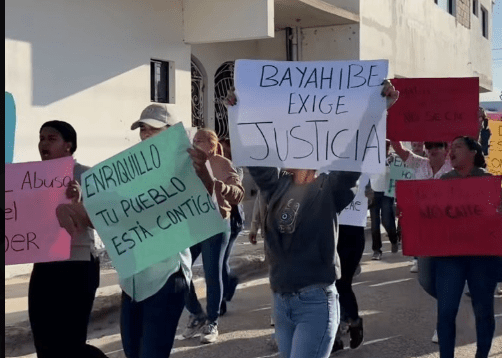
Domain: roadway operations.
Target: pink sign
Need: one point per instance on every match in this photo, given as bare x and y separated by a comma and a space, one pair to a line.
32, 193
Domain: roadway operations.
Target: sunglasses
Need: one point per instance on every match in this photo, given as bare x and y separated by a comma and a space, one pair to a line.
429, 146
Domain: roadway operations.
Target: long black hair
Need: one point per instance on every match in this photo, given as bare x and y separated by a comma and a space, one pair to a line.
473, 145
66, 130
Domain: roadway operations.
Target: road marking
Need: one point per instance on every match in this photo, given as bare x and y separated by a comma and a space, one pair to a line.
391, 282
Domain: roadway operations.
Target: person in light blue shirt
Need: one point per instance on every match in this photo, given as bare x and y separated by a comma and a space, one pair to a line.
153, 299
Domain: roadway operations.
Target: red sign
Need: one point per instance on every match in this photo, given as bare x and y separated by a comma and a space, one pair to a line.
451, 217
434, 109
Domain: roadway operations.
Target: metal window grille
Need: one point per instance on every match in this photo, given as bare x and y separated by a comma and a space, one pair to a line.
223, 81
197, 96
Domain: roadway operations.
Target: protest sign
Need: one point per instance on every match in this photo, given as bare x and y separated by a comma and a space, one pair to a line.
10, 127
450, 217
32, 193
494, 158
398, 171
356, 213
148, 204
309, 115
434, 109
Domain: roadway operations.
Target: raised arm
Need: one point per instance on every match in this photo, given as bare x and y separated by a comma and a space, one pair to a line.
402, 152
343, 187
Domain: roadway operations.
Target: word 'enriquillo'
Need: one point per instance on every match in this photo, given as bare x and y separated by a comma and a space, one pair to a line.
122, 171
193, 206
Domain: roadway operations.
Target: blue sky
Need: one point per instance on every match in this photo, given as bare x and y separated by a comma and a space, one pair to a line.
496, 54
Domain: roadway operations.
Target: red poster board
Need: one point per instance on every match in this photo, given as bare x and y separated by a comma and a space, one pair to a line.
450, 217
434, 109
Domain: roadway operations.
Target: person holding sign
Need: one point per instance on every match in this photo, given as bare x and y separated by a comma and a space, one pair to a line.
229, 191
153, 299
61, 294
452, 272
301, 234
484, 131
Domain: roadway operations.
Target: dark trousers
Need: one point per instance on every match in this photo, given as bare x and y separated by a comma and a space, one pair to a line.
60, 298
451, 275
227, 274
350, 250
213, 251
148, 327
383, 206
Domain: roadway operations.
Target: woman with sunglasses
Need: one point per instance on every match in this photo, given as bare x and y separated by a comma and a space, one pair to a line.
454, 271
61, 294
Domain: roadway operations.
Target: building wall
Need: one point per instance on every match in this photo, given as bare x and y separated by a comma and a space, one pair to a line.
330, 43
88, 63
421, 39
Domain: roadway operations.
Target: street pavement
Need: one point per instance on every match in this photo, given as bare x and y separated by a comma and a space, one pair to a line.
399, 317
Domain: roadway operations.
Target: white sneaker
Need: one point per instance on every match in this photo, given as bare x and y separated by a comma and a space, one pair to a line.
209, 333
193, 326
435, 338
414, 267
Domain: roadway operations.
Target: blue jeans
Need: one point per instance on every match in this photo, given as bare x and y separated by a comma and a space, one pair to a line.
227, 272
213, 252
451, 275
306, 322
382, 206
148, 327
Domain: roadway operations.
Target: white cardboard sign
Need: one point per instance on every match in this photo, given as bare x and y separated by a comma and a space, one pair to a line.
309, 115
356, 213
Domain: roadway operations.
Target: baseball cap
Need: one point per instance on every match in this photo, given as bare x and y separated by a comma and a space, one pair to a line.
155, 115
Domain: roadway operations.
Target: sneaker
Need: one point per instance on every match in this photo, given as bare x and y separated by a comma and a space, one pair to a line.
356, 333
498, 292
337, 346
395, 248
209, 333
435, 338
376, 255
414, 267
194, 325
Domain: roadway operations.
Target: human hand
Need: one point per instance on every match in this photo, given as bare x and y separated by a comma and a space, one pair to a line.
73, 218
199, 158
218, 186
252, 238
74, 192
230, 99
390, 92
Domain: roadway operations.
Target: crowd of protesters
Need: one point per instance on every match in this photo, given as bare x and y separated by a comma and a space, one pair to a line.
312, 257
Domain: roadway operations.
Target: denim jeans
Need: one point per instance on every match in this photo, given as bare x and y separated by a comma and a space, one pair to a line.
382, 206
227, 272
213, 252
350, 249
306, 322
451, 275
148, 327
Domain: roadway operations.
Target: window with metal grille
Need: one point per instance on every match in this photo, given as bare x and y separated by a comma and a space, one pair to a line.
223, 81
197, 96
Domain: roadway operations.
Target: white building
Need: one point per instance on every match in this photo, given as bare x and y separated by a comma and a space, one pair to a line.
89, 62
